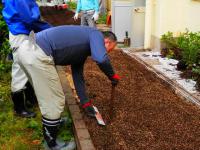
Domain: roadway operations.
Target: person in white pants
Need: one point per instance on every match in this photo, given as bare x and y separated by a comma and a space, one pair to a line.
21, 17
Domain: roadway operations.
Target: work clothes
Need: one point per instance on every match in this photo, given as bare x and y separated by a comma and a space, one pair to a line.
19, 78
63, 45
71, 45
86, 18
42, 74
83, 5
21, 17
88, 8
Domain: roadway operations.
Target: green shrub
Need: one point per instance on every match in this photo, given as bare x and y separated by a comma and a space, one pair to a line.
102, 18
185, 47
189, 43
5, 65
170, 49
72, 5
169, 40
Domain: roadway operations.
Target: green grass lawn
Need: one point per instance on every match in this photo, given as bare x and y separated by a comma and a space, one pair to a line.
20, 133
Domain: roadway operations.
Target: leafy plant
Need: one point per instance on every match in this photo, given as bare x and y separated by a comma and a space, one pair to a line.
102, 18
72, 5
170, 49
185, 48
169, 40
196, 70
190, 44
5, 65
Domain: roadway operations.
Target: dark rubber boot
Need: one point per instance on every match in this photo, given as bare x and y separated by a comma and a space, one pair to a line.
30, 98
50, 130
19, 106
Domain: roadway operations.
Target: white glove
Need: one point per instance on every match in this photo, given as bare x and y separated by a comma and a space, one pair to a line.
95, 16
75, 16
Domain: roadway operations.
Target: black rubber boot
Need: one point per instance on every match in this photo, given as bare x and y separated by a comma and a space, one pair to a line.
19, 106
50, 130
30, 98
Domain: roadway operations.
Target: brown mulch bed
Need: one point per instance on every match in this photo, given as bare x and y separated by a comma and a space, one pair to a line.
58, 17
147, 113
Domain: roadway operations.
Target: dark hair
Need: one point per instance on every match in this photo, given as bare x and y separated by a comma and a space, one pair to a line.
110, 35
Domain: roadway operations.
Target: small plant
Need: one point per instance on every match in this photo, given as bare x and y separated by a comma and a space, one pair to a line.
186, 49
72, 5
196, 70
102, 18
190, 44
169, 40
170, 49
5, 65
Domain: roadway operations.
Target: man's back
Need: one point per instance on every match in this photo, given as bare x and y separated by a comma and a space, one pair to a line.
72, 44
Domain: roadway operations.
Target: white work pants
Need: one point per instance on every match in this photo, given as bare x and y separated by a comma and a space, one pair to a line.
19, 78
41, 72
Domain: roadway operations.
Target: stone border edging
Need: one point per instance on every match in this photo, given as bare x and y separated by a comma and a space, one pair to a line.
182, 93
82, 136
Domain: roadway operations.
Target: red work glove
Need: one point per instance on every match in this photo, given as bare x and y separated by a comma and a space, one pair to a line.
115, 79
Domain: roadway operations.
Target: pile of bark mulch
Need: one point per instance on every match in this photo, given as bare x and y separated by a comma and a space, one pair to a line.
147, 113
58, 17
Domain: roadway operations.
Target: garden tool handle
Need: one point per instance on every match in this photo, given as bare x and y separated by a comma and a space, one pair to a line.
112, 93
111, 102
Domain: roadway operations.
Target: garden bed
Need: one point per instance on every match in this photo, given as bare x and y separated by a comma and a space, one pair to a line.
147, 113
58, 17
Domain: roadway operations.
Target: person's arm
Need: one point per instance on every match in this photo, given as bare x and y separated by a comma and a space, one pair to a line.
28, 11
30, 14
79, 83
78, 8
96, 4
99, 54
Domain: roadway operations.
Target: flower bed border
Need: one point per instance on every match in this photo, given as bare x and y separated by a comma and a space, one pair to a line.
180, 91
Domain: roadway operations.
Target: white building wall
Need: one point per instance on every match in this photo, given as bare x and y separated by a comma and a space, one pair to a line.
170, 15
192, 21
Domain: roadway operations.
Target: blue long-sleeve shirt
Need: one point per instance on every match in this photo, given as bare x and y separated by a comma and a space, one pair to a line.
87, 5
71, 45
22, 16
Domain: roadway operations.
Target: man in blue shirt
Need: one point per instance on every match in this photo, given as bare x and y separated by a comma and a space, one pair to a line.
63, 45
89, 10
21, 16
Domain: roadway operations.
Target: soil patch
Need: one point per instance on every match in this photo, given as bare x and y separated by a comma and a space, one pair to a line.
147, 113
58, 17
